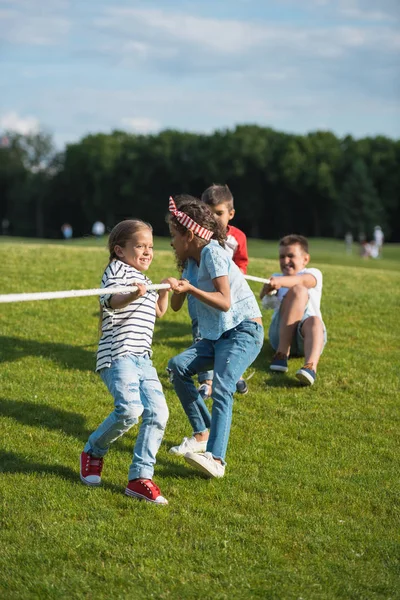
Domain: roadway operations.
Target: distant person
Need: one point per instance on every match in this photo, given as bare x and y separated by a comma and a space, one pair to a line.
379, 239
5, 226
297, 327
373, 249
348, 239
98, 228
124, 362
365, 249
67, 231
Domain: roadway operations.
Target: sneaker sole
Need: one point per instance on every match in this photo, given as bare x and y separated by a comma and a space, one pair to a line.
242, 393
90, 483
202, 468
279, 369
305, 378
186, 451
129, 492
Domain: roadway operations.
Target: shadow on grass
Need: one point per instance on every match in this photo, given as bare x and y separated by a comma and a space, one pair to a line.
43, 415
177, 468
71, 357
73, 424
281, 380
13, 463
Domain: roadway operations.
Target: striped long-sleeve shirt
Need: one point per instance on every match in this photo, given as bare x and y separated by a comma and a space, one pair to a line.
126, 330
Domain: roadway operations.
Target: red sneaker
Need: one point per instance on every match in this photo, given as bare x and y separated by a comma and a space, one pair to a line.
145, 489
91, 468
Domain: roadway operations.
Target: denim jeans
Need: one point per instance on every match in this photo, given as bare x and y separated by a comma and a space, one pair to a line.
231, 355
133, 382
204, 375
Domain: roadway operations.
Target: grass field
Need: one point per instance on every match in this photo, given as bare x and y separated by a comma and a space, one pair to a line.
309, 507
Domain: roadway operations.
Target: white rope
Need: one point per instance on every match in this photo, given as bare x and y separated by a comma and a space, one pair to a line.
95, 292
77, 293
260, 279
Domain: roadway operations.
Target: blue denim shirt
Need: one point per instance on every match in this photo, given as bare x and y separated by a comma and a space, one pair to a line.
216, 262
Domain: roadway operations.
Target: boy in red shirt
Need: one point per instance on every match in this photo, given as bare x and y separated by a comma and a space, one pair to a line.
220, 200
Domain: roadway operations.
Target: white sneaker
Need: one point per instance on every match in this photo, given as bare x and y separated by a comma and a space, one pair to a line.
206, 463
205, 391
188, 445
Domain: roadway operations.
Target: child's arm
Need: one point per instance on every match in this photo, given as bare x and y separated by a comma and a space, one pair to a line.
122, 300
177, 301
220, 299
177, 298
162, 302
288, 281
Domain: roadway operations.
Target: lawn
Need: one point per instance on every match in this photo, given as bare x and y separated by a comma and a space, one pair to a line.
309, 506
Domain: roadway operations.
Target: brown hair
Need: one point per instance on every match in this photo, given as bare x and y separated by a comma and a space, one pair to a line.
120, 236
123, 232
201, 214
293, 238
218, 194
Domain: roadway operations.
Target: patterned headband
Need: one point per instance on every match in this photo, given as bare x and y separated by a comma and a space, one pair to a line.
187, 222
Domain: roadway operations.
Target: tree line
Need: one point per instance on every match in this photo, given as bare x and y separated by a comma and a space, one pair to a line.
317, 184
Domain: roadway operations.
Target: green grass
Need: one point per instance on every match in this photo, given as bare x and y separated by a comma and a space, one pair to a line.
309, 506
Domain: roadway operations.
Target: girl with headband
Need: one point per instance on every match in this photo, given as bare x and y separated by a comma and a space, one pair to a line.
230, 327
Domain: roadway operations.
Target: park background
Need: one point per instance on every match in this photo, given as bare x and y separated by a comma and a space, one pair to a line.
316, 184
106, 110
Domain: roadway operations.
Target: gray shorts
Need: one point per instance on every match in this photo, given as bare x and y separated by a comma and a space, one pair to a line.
297, 345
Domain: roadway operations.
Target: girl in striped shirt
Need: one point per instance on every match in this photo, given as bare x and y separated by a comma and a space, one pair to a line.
124, 362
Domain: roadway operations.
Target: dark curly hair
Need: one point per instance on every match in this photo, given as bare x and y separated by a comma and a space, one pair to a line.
201, 214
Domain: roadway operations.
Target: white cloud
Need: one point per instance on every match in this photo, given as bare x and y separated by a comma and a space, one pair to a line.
186, 43
33, 23
370, 10
13, 122
141, 124
362, 10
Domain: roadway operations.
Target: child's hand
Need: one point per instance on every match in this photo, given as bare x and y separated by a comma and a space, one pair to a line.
269, 288
173, 282
142, 289
274, 284
182, 286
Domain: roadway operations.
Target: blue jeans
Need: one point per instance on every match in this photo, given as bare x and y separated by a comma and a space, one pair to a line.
231, 355
204, 375
133, 382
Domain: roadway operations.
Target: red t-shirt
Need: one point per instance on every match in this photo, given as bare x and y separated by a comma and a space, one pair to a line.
236, 245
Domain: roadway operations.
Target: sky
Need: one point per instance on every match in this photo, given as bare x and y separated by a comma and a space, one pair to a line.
89, 66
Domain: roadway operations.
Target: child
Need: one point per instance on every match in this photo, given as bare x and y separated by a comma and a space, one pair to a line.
230, 328
189, 271
296, 327
124, 363
219, 198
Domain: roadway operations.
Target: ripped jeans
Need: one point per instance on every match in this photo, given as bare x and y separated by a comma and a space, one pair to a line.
133, 382
231, 354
